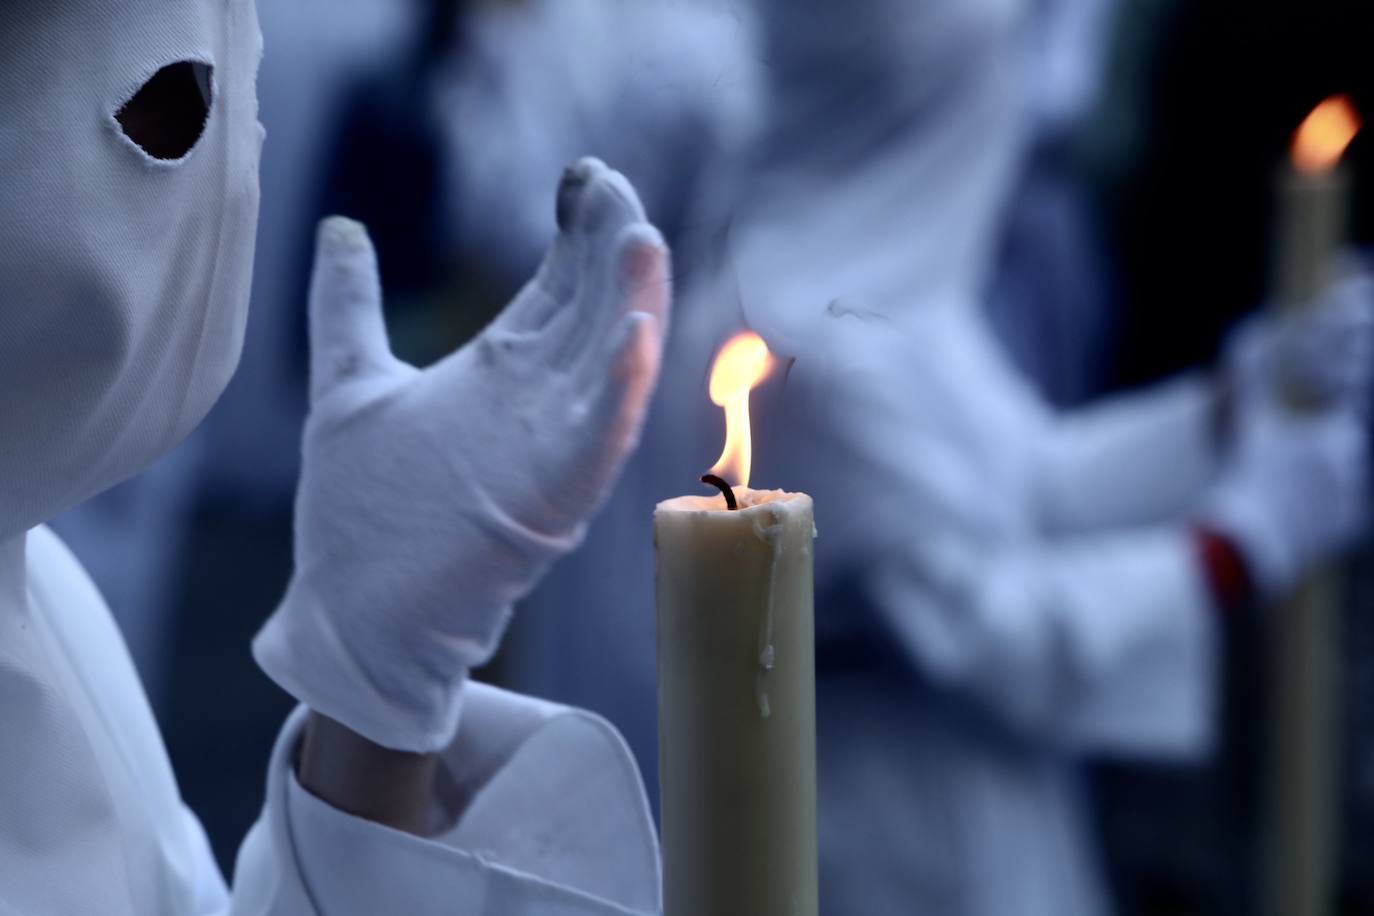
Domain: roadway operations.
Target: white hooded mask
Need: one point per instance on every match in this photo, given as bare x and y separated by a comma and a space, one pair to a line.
123, 277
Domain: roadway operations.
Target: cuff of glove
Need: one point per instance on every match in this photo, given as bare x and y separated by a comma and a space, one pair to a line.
1227, 574
304, 654
1262, 547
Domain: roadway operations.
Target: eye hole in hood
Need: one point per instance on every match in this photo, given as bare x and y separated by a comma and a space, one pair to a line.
168, 114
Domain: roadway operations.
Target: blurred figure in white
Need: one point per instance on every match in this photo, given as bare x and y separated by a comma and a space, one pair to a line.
1021, 586
1050, 295
660, 90
1002, 587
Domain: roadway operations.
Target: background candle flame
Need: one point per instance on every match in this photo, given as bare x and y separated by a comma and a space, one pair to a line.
741, 365
1323, 136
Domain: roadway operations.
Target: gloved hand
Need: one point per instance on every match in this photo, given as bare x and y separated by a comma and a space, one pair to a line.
1293, 489
431, 500
1320, 354
1293, 492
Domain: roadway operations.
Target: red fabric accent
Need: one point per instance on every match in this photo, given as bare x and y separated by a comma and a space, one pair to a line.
1225, 567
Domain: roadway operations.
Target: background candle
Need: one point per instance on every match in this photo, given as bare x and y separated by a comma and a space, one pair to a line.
737, 708
1307, 628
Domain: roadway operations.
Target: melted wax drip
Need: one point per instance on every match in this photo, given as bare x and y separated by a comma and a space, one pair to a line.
771, 535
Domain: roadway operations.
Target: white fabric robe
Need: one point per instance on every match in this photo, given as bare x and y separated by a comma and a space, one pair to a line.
551, 817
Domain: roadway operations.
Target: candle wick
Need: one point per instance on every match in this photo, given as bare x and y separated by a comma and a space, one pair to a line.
724, 487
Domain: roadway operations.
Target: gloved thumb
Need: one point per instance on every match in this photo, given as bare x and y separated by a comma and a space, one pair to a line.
347, 333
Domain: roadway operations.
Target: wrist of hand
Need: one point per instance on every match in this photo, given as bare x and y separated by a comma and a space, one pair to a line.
364, 779
400, 687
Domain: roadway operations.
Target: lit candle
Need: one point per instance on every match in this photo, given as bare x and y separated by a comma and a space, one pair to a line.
737, 680
1314, 195
1313, 192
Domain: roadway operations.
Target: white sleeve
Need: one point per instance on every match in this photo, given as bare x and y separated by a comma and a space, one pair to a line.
553, 822
924, 475
1103, 644
1132, 460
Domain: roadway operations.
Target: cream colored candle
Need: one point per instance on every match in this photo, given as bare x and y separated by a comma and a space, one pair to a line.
737, 682
737, 705
1303, 819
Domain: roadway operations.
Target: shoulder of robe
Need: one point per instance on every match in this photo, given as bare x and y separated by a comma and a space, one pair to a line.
56, 570
165, 854
64, 593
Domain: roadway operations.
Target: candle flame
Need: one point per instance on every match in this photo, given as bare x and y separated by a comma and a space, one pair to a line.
741, 365
1323, 136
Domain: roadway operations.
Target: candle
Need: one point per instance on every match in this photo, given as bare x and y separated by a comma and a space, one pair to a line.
737, 682
1303, 818
1314, 191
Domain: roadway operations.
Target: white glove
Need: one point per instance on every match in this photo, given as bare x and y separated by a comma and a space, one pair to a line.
1294, 488
1293, 493
431, 500
1320, 354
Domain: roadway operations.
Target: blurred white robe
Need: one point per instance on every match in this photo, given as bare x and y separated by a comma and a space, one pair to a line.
1002, 588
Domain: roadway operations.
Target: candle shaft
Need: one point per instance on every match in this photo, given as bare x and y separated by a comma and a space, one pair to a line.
1312, 228
1306, 635
737, 709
